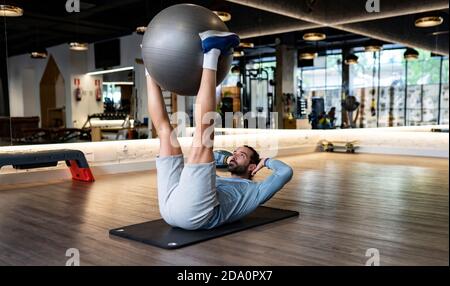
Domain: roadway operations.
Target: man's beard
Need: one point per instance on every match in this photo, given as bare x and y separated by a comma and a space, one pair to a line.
236, 169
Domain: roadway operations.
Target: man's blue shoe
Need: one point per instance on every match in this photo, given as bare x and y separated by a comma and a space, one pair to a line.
223, 41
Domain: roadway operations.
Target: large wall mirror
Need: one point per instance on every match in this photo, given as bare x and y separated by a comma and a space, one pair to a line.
78, 76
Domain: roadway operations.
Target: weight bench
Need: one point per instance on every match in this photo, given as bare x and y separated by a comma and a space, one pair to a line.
75, 160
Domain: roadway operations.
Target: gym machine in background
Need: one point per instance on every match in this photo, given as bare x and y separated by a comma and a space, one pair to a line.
258, 92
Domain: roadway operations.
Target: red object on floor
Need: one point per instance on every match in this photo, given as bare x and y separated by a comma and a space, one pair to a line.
80, 174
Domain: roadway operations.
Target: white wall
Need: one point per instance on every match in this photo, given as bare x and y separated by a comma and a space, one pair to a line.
88, 104
25, 74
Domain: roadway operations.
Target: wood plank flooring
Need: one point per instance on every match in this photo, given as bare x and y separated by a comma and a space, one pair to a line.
347, 204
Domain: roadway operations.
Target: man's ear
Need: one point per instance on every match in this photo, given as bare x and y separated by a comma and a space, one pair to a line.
251, 167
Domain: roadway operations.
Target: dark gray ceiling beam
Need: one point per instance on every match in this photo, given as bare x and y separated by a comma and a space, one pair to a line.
61, 30
326, 13
401, 34
74, 21
337, 12
286, 25
50, 20
109, 5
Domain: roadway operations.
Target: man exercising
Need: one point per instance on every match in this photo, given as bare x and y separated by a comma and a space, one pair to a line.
191, 196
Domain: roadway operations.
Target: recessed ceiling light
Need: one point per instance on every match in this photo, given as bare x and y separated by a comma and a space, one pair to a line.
10, 11
307, 55
411, 54
75, 46
224, 16
314, 36
429, 21
351, 59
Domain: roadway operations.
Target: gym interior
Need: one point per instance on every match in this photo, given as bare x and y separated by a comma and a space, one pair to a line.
352, 95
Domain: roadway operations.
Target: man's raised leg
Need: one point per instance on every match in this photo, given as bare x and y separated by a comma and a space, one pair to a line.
213, 43
169, 144
202, 148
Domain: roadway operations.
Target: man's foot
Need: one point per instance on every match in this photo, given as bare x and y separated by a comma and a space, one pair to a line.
223, 41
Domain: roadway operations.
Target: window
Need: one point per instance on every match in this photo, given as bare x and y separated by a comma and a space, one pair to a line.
379, 80
323, 80
391, 93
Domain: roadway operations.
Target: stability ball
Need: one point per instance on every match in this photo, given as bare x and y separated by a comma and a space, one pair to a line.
172, 49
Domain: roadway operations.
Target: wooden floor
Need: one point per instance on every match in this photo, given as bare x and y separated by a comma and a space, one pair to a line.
347, 204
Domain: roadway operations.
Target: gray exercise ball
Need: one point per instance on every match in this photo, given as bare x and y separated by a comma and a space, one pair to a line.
172, 51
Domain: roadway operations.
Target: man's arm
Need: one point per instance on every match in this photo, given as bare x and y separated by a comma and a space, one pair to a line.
282, 173
221, 158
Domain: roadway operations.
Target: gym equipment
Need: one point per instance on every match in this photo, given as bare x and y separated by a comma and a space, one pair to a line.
302, 103
331, 146
444, 130
362, 106
159, 233
108, 116
226, 153
257, 85
75, 160
53, 135
172, 50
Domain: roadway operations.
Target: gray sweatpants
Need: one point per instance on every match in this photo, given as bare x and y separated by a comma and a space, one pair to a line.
186, 194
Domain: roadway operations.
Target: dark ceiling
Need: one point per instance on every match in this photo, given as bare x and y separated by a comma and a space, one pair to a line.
46, 23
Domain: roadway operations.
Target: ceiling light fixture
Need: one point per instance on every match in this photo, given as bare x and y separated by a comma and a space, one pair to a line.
110, 71
75, 46
307, 55
411, 54
141, 30
237, 54
246, 45
39, 55
224, 16
351, 59
373, 48
10, 11
315, 36
428, 21
118, 83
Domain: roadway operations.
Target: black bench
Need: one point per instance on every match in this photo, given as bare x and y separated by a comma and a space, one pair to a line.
75, 160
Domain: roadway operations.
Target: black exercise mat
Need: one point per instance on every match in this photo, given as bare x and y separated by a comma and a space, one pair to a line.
160, 234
